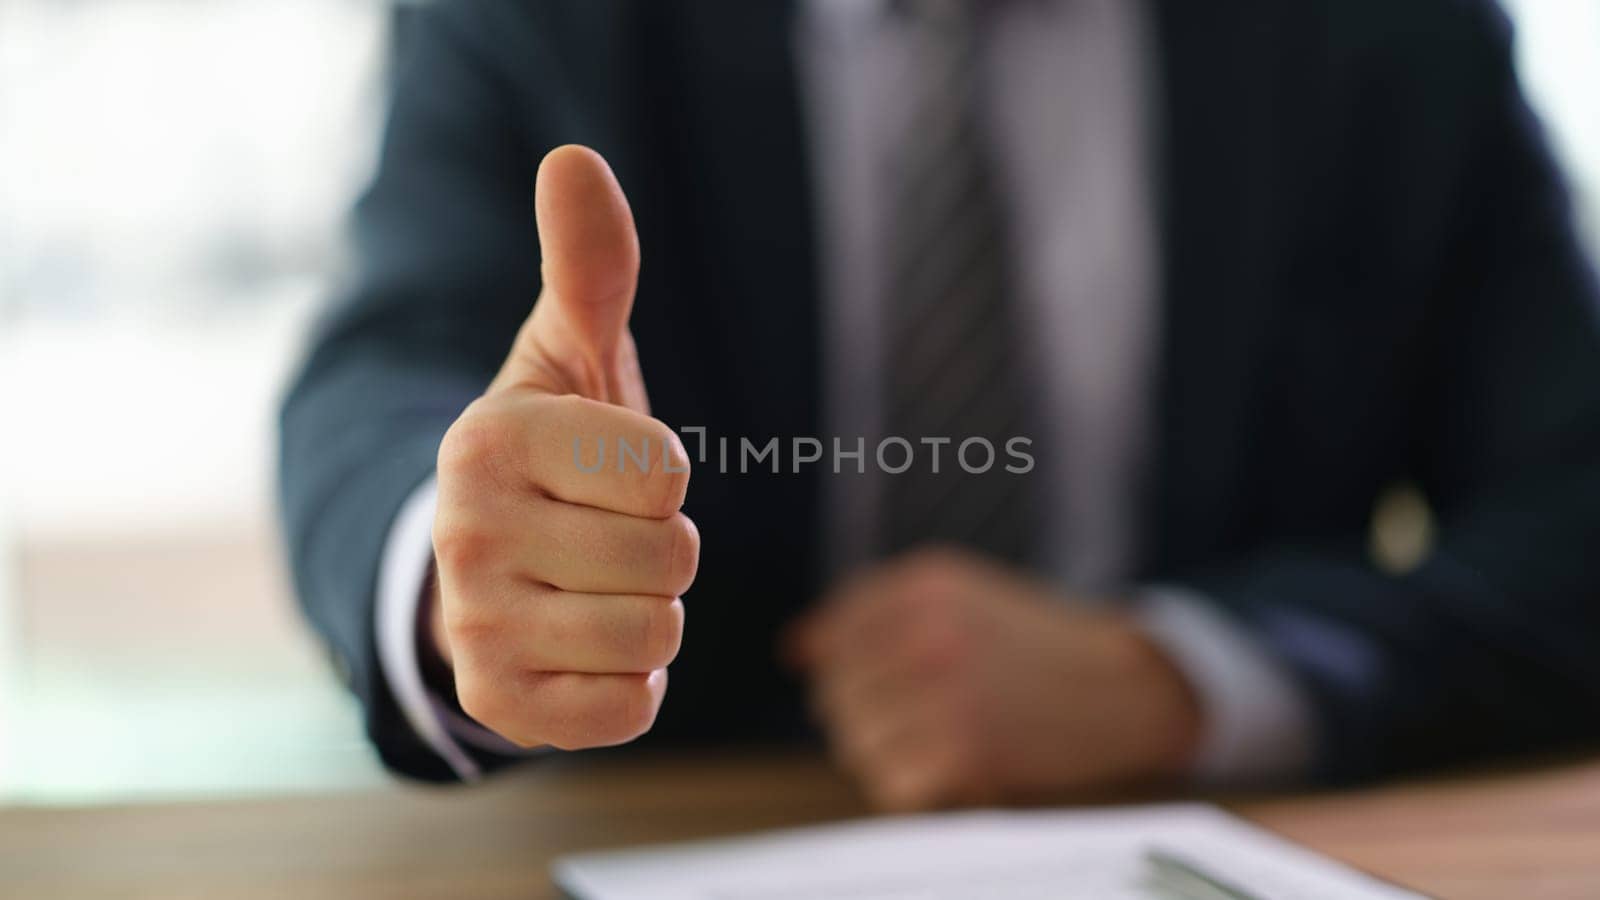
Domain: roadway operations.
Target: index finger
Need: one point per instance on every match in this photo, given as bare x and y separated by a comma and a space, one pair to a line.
595, 454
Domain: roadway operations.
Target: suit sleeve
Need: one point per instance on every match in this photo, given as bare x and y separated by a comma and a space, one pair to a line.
1492, 644
445, 269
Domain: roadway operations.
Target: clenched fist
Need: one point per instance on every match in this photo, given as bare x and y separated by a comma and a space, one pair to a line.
558, 585
942, 678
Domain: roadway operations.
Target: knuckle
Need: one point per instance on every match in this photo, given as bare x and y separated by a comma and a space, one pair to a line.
651, 470
909, 604
634, 709
939, 650
660, 494
474, 443
460, 544
567, 734
471, 629
905, 790
660, 634
931, 573
482, 701
521, 736
623, 711
668, 483
964, 766
967, 748
683, 554
493, 699
942, 622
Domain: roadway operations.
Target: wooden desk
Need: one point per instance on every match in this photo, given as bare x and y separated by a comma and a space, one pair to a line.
1529, 836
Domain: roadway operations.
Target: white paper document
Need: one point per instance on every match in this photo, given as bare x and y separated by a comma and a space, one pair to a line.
1093, 855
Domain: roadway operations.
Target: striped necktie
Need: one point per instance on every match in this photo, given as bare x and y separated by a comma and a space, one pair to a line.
953, 360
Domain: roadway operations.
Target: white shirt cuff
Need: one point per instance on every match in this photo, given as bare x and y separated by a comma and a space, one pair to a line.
402, 577
1258, 721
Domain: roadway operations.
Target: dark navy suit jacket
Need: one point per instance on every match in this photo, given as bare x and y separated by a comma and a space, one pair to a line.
1370, 276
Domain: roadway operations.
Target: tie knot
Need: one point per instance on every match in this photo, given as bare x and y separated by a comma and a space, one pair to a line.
945, 15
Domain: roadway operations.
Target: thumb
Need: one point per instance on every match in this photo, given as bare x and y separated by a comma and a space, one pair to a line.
576, 340
590, 248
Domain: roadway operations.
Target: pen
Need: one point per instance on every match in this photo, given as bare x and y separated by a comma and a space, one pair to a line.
1189, 880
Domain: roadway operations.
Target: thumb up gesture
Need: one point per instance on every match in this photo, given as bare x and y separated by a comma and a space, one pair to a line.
559, 579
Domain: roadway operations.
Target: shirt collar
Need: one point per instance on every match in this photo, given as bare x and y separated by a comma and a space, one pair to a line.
846, 16
851, 16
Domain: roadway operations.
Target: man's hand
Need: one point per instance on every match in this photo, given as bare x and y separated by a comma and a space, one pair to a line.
557, 598
942, 679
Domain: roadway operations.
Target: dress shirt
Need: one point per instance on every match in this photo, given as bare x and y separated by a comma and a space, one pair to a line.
1065, 96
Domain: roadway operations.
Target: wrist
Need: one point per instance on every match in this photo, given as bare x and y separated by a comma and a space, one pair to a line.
1169, 730
432, 646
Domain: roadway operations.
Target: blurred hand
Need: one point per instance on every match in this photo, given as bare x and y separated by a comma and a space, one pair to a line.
557, 593
941, 678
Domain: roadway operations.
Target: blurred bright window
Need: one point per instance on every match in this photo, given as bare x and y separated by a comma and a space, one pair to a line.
173, 175
1558, 57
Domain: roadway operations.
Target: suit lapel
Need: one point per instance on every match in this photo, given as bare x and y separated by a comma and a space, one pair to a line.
1216, 167
740, 202
752, 204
